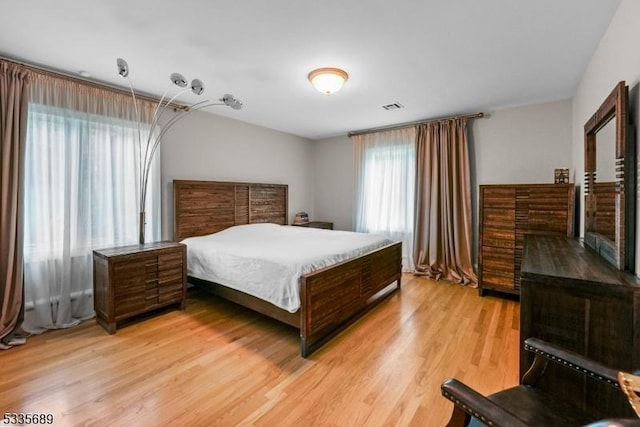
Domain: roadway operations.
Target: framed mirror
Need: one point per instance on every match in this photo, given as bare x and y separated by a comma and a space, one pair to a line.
609, 181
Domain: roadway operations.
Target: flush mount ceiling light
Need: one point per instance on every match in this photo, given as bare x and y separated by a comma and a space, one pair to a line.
328, 80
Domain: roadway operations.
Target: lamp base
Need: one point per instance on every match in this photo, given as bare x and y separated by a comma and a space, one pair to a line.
141, 227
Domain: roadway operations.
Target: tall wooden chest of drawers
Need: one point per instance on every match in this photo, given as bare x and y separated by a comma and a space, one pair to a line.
509, 212
136, 279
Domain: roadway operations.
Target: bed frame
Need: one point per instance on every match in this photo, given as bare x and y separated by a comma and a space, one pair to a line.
331, 298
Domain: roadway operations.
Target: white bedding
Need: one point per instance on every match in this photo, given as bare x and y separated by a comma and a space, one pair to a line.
267, 260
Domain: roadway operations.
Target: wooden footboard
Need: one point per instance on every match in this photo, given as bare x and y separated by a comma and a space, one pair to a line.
335, 296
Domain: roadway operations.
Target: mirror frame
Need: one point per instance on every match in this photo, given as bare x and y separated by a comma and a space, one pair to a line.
621, 252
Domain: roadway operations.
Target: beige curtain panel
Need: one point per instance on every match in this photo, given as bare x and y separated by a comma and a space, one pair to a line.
443, 232
13, 125
45, 89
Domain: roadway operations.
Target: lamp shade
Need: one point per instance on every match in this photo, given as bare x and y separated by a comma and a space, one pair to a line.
328, 80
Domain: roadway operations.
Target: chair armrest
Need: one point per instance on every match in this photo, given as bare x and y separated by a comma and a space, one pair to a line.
617, 422
572, 360
475, 404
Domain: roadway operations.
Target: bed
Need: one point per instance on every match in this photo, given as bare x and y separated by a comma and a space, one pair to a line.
330, 298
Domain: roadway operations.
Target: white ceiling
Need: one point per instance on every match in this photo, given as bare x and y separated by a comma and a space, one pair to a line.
435, 57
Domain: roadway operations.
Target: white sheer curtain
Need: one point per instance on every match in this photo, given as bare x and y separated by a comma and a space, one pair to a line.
81, 193
385, 165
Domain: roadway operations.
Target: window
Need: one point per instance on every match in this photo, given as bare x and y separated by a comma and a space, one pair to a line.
81, 193
385, 168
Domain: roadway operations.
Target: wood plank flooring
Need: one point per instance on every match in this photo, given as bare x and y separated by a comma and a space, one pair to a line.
217, 364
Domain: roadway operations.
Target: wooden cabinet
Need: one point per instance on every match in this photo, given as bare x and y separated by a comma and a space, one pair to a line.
507, 214
572, 297
131, 280
316, 224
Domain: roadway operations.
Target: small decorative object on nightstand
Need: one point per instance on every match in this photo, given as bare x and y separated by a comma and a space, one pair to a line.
301, 218
316, 224
561, 176
135, 279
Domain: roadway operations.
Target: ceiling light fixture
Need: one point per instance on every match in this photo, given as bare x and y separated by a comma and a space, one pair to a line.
328, 80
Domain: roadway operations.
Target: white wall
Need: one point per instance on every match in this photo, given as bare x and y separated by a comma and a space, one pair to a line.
334, 182
515, 145
204, 146
616, 58
522, 145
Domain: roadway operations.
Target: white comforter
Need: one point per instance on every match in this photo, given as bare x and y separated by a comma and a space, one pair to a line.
267, 260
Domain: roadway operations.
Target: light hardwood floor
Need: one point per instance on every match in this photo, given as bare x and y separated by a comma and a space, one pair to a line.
217, 364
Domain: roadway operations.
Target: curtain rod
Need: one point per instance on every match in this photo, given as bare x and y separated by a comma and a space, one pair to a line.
93, 83
411, 124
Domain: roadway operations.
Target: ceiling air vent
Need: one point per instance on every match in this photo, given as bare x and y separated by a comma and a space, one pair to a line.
394, 106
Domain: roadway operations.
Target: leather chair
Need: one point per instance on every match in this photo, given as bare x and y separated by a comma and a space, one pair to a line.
528, 405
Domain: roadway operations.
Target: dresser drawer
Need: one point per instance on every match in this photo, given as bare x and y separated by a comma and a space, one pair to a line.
170, 260
132, 276
499, 238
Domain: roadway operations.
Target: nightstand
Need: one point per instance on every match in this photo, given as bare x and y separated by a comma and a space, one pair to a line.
316, 224
135, 279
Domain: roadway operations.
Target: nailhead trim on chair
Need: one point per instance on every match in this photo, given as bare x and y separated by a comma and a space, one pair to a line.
571, 365
467, 409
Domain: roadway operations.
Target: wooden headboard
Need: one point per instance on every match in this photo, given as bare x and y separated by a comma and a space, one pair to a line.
205, 207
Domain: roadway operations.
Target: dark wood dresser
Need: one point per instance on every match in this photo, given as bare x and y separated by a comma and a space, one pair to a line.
509, 212
572, 297
136, 279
